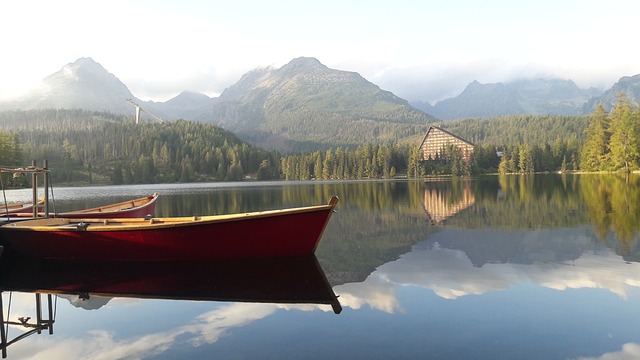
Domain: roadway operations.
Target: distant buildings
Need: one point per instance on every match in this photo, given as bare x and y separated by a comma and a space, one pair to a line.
436, 141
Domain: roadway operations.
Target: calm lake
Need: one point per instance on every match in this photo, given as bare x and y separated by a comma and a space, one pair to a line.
513, 267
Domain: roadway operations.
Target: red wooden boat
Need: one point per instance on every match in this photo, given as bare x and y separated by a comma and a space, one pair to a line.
141, 207
17, 208
272, 233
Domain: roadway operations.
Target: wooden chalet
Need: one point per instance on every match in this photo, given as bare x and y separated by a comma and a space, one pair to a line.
436, 140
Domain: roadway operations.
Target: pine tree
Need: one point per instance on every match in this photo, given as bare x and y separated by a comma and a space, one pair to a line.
595, 152
525, 164
625, 133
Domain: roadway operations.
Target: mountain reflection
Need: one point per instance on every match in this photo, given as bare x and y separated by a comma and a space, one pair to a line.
557, 231
445, 265
383, 221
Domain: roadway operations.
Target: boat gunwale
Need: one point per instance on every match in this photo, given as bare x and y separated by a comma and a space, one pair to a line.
61, 224
117, 207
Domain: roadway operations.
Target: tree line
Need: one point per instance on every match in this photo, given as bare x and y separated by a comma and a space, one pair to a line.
612, 140
121, 152
185, 151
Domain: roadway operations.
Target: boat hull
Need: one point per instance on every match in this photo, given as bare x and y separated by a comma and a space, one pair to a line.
254, 235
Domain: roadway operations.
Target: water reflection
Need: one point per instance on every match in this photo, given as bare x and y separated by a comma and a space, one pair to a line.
613, 203
608, 203
379, 222
139, 334
292, 281
40, 323
276, 280
443, 202
511, 239
514, 267
458, 262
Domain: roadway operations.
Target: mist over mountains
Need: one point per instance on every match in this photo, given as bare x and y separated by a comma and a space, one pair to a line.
306, 102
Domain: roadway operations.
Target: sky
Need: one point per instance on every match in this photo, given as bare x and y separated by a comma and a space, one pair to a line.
421, 50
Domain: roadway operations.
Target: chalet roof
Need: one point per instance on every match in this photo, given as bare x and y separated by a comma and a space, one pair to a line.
446, 132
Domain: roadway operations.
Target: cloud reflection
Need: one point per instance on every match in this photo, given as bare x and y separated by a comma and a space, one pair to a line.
450, 275
376, 291
629, 351
207, 328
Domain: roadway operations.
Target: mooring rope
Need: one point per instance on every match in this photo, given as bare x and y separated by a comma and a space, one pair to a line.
53, 199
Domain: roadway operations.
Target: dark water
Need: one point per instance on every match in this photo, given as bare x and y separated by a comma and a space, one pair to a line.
516, 267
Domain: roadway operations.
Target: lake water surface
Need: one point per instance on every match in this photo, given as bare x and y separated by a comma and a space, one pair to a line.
513, 267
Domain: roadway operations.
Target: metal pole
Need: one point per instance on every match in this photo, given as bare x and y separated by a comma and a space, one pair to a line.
50, 314
3, 334
38, 311
34, 183
46, 189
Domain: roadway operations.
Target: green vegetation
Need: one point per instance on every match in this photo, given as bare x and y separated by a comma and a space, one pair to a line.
92, 147
10, 155
365, 162
101, 149
519, 129
613, 141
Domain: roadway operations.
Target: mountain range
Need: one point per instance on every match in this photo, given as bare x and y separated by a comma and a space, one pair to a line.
534, 97
305, 102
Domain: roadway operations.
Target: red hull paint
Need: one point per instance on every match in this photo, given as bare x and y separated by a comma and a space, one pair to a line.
289, 233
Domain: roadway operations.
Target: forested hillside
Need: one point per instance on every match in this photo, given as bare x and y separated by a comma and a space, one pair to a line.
519, 129
528, 143
91, 147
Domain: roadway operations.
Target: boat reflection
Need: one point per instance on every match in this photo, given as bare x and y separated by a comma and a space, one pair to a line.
290, 280
37, 325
